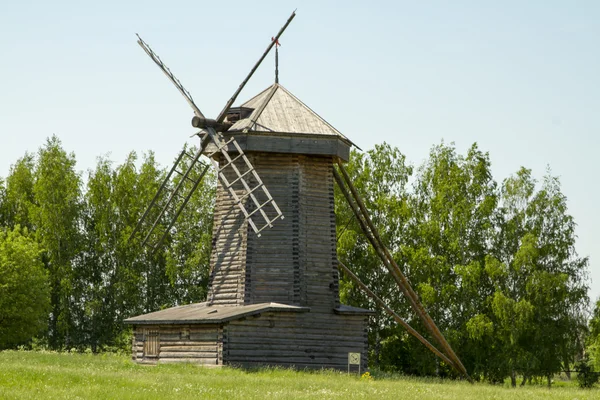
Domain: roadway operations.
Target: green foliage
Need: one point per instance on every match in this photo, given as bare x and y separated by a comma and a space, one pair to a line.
593, 340
495, 265
595, 320
19, 198
3, 205
586, 376
97, 276
118, 277
188, 253
24, 289
55, 215
381, 176
480, 327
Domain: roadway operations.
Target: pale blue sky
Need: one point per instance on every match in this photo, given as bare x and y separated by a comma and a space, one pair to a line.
521, 78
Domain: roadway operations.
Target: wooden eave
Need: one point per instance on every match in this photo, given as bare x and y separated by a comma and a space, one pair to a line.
203, 313
298, 143
349, 310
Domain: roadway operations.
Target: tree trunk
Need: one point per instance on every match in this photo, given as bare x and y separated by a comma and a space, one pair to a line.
513, 378
377, 350
549, 378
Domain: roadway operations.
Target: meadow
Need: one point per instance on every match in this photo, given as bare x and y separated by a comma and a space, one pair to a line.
50, 375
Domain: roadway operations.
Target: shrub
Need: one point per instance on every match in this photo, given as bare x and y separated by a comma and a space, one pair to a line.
24, 289
586, 376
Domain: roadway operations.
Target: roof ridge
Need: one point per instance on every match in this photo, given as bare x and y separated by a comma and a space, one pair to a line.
259, 110
257, 96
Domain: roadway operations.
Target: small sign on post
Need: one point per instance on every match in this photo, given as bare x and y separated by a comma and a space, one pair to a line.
354, 359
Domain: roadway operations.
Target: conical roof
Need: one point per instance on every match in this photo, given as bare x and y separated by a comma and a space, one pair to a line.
276, 110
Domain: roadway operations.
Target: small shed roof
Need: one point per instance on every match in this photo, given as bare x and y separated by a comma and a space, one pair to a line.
278, 110
203, 313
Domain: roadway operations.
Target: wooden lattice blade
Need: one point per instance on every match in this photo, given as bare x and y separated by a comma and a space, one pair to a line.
255, 193
172, 197
184, 92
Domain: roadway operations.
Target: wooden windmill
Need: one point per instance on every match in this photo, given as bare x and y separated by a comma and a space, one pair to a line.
273, 293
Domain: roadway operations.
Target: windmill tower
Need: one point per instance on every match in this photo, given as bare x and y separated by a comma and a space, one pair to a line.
273, 292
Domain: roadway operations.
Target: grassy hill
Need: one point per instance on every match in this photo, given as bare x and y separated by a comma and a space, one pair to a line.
47, 375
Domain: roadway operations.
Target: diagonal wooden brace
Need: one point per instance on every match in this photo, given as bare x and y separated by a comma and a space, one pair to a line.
372, 235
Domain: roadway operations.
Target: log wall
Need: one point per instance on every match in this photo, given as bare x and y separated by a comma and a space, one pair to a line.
295, 340
180, 343
295, 261
317, 232
272, 263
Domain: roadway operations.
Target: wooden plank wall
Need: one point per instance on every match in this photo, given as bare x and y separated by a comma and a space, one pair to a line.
318, 256
295, 340
294, 262
181, 343
272, 261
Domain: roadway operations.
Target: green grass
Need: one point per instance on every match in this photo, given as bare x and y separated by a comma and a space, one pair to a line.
46, 375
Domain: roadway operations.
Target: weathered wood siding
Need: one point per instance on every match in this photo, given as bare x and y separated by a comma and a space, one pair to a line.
272, 262
180, 343
299, 340
318, 256
294, 262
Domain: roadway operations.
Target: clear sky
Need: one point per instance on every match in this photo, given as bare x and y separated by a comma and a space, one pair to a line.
521, 78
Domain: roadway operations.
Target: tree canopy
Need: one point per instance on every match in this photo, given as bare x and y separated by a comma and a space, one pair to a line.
494, 263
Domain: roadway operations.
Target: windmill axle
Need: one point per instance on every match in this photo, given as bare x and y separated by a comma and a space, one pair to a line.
203, 123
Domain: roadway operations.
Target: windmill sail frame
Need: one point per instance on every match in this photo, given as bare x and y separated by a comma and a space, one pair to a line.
208, 126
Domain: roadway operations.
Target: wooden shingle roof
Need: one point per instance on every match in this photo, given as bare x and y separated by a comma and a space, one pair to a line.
278, 110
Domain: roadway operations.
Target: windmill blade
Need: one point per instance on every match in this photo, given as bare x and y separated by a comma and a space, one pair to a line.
258, 196
223, 112
239, 167
157, 195
178, 187
172, 193
169, 74
180, 209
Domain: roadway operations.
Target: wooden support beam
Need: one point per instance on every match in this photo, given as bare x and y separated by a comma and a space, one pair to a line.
396, 317
372, 235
